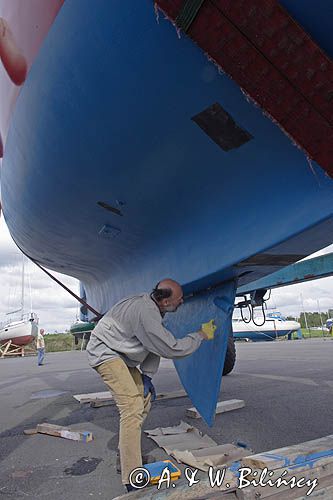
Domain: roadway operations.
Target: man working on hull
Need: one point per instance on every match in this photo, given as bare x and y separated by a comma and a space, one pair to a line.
132, 334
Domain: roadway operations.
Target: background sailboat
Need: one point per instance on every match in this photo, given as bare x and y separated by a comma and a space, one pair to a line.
21, 327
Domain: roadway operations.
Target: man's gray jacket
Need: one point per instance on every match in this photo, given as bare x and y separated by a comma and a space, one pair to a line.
133, 331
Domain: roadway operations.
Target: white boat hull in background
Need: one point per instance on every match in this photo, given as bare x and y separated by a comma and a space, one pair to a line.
270, 330
20, 332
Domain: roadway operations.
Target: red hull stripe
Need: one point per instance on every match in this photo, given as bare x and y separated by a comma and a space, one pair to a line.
21, 341
274, 61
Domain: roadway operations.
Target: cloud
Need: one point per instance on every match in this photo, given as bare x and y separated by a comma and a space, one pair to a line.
55, 307
8, 258
312, 296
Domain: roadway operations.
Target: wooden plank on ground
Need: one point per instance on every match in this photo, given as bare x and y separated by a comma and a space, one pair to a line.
64, 432
108, 400
93, 396
221, 407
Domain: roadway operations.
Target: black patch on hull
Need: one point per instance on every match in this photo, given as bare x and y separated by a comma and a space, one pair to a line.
221, 127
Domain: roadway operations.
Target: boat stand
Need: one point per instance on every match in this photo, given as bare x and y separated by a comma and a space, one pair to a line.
11, 349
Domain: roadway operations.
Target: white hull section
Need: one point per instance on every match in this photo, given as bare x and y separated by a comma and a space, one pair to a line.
270, 325
270, 330
19, 332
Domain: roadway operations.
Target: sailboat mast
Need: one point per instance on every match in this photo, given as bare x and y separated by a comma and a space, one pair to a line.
22, 290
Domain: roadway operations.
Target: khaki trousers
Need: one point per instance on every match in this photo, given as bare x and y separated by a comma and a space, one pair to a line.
126, 387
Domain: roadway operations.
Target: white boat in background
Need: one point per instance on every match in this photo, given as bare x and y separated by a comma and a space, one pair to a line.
263, 329
22, 330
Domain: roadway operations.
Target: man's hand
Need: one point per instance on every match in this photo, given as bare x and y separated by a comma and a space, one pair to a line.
208, 330
148, 387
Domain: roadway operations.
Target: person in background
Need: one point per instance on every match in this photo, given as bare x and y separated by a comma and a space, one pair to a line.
40, 344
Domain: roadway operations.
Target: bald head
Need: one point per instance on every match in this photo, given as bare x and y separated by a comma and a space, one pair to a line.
171, 284
168, 294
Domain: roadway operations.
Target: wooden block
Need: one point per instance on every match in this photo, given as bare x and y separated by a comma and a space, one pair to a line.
98, 402
30, 432
221, 407
64, 432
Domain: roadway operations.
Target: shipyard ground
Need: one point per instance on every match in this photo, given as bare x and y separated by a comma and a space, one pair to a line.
287, 388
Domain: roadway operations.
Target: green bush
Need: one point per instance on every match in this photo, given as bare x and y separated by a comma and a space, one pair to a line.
58, 342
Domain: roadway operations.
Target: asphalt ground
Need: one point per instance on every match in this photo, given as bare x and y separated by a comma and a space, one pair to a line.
287, 388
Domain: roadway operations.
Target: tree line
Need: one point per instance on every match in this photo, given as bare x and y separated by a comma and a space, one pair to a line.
313, 318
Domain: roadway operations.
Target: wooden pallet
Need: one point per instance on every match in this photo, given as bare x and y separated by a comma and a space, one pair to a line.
221, 407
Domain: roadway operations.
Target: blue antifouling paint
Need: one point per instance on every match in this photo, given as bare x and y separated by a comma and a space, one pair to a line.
201, 372
301, 460
311, 459
234, 467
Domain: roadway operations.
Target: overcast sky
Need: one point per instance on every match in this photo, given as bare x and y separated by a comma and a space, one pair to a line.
316, 295
55, 307
57, 310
